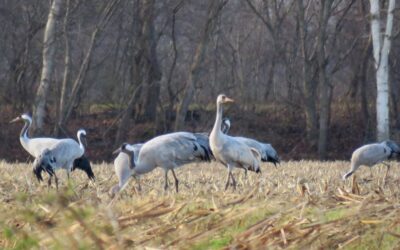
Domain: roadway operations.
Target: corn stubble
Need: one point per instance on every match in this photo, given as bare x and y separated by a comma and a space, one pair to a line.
298, 205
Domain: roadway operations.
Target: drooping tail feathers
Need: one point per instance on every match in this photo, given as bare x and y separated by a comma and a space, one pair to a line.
203, 141
43, 163
83, 164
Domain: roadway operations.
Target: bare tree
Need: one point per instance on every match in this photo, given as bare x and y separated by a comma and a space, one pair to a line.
152, 66
49, 48
325, 13
214, 9
67, 107
309, 82
381, 50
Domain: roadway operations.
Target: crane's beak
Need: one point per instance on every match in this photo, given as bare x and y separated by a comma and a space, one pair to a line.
117, 151
227, 99
15, 119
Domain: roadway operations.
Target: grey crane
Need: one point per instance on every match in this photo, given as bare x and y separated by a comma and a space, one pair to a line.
124, 163
372, 154
230, 151
268, 153
226, 125
60, 155
169, 152
35, 146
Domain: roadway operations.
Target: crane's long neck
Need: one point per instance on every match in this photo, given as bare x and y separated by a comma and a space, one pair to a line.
218, 120
131, 157
24, 131
81, 145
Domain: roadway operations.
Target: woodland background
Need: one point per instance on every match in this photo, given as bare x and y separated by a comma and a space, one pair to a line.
301, 71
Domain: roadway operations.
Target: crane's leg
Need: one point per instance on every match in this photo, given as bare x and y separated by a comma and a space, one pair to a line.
233, 181
386, 174
176, 180
166, 179
230, 176
245, 173
138, 182
49, 181
56, 179
228, 179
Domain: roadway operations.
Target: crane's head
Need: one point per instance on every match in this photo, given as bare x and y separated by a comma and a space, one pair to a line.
269, 154
224, 99
82, 136
114, 190
226, 125
24, 117
393, 146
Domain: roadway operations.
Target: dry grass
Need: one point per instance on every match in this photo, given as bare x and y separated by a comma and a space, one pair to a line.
299, 205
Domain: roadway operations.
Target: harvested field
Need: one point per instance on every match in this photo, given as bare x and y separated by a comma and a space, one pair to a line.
301, 205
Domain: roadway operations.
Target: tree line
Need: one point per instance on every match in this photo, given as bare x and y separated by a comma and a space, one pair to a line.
152, 61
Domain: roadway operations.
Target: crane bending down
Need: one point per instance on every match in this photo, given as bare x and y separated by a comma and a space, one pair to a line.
124, 163
35, 146
230, 151
268, 153
60, 155
372, 154
169, 152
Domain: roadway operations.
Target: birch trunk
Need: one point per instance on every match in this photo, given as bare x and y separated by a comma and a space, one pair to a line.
49, 47
381, 57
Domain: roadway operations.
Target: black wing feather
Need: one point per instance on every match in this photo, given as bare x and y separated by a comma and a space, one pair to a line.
83, 163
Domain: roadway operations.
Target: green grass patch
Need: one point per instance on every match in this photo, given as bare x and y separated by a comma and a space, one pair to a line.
335, 214
224, 237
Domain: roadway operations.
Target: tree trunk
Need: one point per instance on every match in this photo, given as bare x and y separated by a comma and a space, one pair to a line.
64, 86
153, 72
362, 78
49, 47
80, 78
214, 9
323, 80
309, 83
381, 57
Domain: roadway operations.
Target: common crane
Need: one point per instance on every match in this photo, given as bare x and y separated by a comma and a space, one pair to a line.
35, 146
169, 152
230, 151
60, 155
371, 154
124, 163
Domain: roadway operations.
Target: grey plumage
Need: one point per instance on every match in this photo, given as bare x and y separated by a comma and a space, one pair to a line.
35, 146
124, 163
230, 151
60, 155
372, 154
167, 151
268, 153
